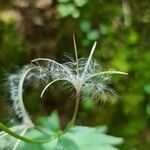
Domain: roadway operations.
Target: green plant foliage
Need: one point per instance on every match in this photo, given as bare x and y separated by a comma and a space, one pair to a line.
80, 3
85, 25
148, 109
119, 47
77, 137
66, 8
51, 122
10, 42
93, 35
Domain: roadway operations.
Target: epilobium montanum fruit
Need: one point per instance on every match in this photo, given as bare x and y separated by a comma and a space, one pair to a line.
85, 76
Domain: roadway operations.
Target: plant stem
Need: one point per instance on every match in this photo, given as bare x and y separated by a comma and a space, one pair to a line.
75, 110
72, 122
25, 139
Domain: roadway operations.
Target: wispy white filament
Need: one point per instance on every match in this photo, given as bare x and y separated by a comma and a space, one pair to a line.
89, 59
80, 73
84, 74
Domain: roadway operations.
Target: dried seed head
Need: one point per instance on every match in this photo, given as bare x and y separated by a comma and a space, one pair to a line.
85, 75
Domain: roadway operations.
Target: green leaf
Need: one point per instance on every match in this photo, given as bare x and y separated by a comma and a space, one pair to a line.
76, 138
148, 109
92, 138
45, 146
93, 35
68, 144
51, 122
80, 3
65, 10
147, 88
102, 129
85, 26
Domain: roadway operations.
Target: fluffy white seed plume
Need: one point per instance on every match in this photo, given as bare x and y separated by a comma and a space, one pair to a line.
16, 94
81, 73
84, 74
16, 82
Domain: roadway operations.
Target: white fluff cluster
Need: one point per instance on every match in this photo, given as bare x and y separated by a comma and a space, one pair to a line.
16, 82
85, 75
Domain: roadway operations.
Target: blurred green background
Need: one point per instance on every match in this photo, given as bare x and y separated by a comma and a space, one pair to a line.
44, 28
